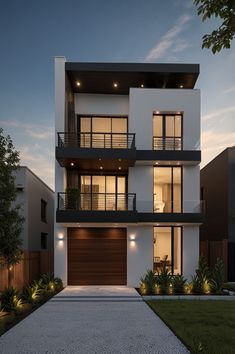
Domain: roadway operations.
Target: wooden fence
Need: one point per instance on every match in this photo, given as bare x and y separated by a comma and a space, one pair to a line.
31, 267
212, 250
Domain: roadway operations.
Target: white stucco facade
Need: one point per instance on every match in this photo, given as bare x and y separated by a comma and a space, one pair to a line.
139, 106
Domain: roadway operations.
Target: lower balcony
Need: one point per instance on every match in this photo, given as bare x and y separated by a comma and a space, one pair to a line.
172, 212
75, 207
96, 207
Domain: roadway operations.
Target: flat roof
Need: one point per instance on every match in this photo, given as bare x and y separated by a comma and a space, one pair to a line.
101, 77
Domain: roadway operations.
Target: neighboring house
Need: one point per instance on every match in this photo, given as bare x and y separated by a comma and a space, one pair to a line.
37, 207
127, 174
218, 191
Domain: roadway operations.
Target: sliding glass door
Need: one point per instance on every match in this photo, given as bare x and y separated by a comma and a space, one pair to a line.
103, 132
168, 249
102, 192
167, 189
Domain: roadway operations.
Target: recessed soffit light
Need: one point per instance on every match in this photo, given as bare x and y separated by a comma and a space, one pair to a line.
72, 164
115, 84
78, 83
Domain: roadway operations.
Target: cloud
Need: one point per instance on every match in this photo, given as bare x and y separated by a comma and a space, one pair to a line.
36, 131
218, 113
213, 143
40, 160
229, 90
181, 46
169, 39
37, 149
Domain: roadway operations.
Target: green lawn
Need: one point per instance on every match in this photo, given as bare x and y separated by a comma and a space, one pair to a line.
203, 326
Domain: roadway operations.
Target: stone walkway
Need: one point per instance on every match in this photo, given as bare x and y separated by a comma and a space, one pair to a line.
92, 320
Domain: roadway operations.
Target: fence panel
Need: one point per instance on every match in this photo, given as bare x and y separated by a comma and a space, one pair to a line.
212, 250
32, 265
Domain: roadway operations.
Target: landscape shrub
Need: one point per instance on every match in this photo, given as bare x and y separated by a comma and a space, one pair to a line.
10, 300
178, 284
217, 277
204, 281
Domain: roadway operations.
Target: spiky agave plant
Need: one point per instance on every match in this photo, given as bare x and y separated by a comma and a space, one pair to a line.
149, 280
31, 294
217, 277
10, 299
48, 282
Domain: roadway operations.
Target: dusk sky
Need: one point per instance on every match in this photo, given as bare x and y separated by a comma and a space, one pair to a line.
32, 33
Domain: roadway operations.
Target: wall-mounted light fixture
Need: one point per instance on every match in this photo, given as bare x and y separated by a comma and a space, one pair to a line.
60, 236
132, 237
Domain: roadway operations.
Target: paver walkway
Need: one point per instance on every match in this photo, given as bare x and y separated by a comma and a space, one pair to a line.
92, 320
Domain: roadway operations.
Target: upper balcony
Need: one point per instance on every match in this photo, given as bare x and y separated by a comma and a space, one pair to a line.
167, 143
91, 151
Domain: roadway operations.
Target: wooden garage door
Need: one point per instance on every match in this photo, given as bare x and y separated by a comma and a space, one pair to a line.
97, 256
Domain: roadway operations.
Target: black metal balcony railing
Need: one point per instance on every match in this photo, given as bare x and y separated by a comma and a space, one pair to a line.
97, 140
167, 143
177, 206
97, 201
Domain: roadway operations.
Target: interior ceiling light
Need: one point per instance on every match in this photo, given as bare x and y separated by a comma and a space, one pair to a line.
72, 164
99, 159
181, 86
119, 160
115, 84
119, 168
101, 167
78, 83
142, 85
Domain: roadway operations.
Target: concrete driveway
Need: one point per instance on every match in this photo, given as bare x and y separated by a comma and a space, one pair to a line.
89, 320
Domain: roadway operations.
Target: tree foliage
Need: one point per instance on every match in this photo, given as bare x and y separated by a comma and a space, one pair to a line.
222, 36
10, 219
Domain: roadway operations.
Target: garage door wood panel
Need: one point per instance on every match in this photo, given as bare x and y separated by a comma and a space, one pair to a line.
97, 256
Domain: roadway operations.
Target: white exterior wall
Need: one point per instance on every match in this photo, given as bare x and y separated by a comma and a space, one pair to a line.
143, 102
140, 181
190, 252
101, 104
191, 188
60, 246
139, 253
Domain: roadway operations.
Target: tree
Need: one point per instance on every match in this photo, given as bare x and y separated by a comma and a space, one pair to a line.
225, 33
11, 221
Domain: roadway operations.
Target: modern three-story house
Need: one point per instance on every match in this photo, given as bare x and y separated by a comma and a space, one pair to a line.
127, 173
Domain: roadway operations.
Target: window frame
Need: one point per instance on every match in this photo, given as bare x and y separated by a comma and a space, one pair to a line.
94, 116
172, 184
44, 234
43, 217
164, 136
172, 246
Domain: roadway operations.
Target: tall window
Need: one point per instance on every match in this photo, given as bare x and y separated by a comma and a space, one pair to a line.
167, 131
103, 132
103, 192
43, 241
167, 189
43, 210
168, 249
